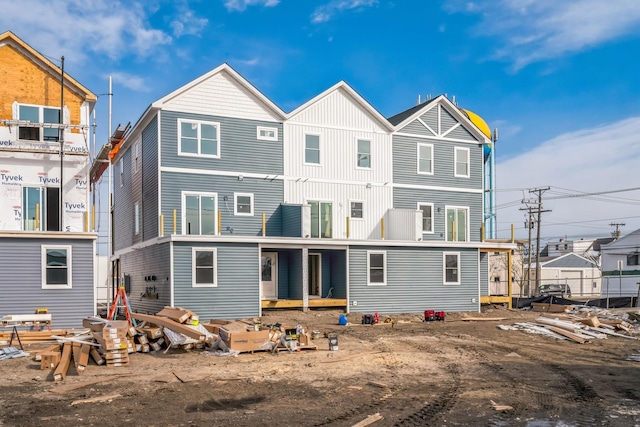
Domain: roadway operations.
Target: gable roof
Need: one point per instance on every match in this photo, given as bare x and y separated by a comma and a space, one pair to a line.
359, 99
10, 39
625, 242
402, 119
570, 260
223, 68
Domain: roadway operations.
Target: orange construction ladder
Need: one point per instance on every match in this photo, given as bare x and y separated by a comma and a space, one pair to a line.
121, 301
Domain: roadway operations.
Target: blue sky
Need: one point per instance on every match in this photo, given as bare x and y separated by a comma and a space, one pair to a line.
559, 79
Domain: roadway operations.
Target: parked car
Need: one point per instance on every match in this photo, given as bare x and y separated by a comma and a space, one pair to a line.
555, 289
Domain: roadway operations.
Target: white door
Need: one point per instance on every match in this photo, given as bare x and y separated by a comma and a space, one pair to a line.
269, 275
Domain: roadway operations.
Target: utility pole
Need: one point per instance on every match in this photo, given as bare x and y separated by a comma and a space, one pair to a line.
539, 191
617, 225
529, 224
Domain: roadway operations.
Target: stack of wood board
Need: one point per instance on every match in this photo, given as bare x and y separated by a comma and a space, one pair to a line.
114, 342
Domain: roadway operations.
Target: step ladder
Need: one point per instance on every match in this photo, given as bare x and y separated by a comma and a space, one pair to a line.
120, 301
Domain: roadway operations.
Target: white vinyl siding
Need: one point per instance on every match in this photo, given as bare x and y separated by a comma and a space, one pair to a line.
197, 138
56, 267
451, 268
376, 268
204, 267
461, 162
425, 159
363, 158
312, 149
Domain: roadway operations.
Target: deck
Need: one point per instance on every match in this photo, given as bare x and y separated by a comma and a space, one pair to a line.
313, 303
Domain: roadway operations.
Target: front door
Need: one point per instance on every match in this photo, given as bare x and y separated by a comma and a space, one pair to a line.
315, 275
269, 275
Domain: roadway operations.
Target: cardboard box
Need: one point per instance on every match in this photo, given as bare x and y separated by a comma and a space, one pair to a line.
214, 325
110, 343
49, 359
96, 356
115, 329
145, 348
83, 360
116, 364
142, 339
93, 325
152, 332
240, 339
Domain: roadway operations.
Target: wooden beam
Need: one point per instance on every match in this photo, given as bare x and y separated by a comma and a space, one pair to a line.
168, 323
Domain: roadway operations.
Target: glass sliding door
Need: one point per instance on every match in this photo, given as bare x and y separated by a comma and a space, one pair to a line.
457, 224
321, 219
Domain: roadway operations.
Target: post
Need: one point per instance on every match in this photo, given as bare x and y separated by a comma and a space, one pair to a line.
93, 214
264, 224
482, 232
620, 275
382, 228
37, 224
61, 137
161, 225
348, 227
509, 281
607, 292
513, 233
219, 223
175, 221
85, 216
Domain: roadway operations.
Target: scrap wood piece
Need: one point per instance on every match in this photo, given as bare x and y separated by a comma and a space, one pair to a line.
591, 321
70, 387
569, 326
572, 336
65, 360
175, 314
614, 334
82, 339
106, 398
369, 420
353, 356
174, 326
634, 357
480, 319
500, 407
186, 377
377, 384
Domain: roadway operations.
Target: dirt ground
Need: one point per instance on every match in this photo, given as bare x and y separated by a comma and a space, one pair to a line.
412, 373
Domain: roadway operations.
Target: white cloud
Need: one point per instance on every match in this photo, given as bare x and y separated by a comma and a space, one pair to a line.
602, 158
534, 31
241, 5
186, 23
326, 12
75, 28
130, 81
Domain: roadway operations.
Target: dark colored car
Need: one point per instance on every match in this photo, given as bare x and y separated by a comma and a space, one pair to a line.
555, 289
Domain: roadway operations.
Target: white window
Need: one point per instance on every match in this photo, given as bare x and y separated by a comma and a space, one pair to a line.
243, 204
121, 168
376, 268
357, 210
425, 159
199, 213
451, 267
457, 230
198, 138
135, 157
427, 217
56, 267
37, 114
204, 266
364, 153
312, 149
461, 162
267, 134
136, 216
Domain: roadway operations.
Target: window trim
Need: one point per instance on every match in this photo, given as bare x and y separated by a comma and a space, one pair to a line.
121, 167
358, 154
266, 138
432, 217
320, 202
183, 221
444, 268
199, 138
384, 268
194, 284
350, 209
304, 153
43, 265
135, 157
136, 218
41, 120
235, 204
455, 162
418, 146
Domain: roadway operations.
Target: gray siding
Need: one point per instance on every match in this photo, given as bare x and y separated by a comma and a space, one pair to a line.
414, 282
431, 118
123, 204
416, 128
295, 275
21, 281
267, 196
150, 261
405, 163
240, 150
334, 272
461, 133
447, 121
150, 216
484, 273
291, 220
404, 198
238, 272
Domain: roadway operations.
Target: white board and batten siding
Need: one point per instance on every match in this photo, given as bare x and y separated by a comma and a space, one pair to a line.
221, 95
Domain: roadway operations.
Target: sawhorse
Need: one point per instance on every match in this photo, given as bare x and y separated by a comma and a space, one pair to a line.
14, 332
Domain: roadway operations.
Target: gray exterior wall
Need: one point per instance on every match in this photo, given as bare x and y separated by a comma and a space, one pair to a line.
240, 149
123, 204
291, 220
405, 163
267, 196
334, 272
414, 282
405, 198
484, 273
150, 261
21, 280
150, 215
238, 273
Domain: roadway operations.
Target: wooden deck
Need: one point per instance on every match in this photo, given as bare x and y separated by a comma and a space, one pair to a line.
297, 303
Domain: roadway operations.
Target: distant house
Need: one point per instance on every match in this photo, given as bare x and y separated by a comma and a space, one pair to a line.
46, 253
581, 274
226, 205
621, 266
